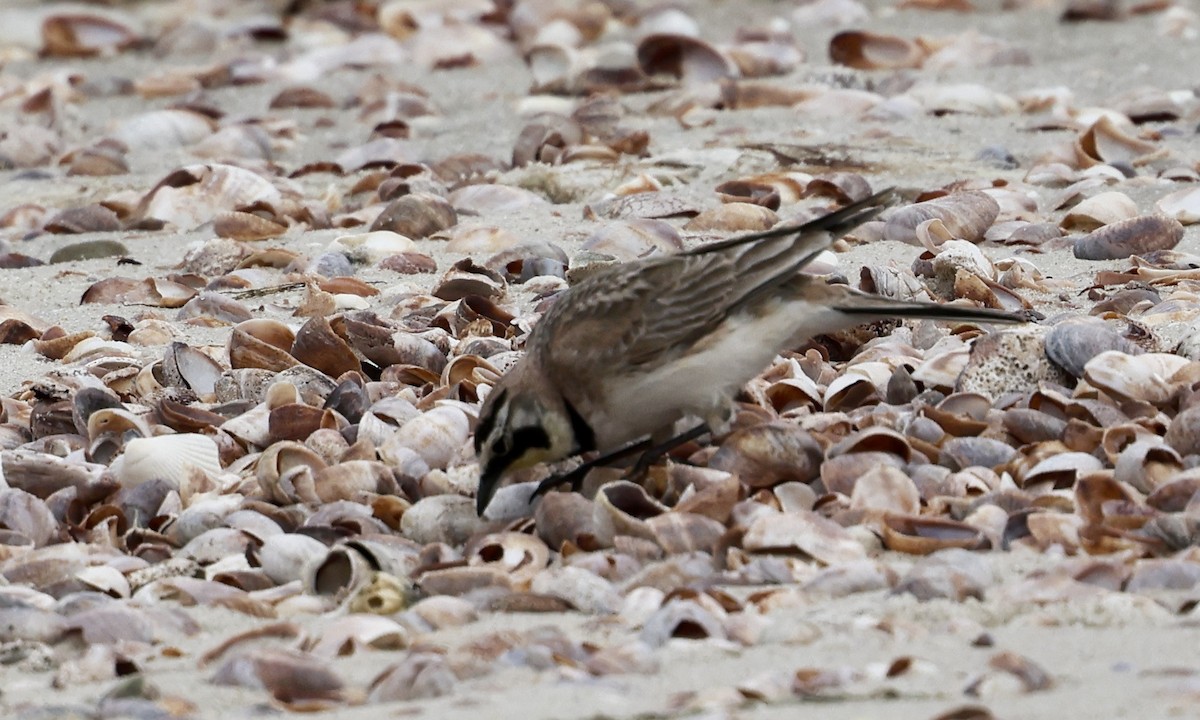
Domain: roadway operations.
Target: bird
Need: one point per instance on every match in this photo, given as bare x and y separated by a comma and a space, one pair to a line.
624, 354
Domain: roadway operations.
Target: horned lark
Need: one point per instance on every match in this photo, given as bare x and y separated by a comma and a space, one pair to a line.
626, 353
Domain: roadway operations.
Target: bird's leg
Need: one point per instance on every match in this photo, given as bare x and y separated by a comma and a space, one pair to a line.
575, 477
655, 453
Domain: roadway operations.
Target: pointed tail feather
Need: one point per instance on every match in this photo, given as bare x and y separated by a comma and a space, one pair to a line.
882, 308
835, 223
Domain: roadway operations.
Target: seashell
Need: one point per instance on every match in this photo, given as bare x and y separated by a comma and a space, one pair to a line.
438, 436
964, 452
358, 632
172, 458
965, 215
888, 489
1146, 378
683, 532
628, 240
1184, 433
1182, 205
261, 343
244, 226
1135, 236
43, 474
1105, 142
88, 218
756, 58
459, 581
1032, 426
1176, 493
872, 51
843, 187
769, 454
585, 591
1145, 466
680, 618
187, 367
382, 594
820, 538
105, 579
216, 306
187, 418
492, 200
371, 247
287, 557
629, 506
301, 96
194, 194
151, 291
1099, 210
1058, 471
295, 680
243, 141
562, 518
463, 238
733, 217
82, 35
163, 129
319, 347
687, 58
951, 573
520, 556
28, 517
297, 421
409, 263
420, 675
465, 278
352, 479
286, 472
922, 535
417, 215
1073, 343
840, 472
440, 518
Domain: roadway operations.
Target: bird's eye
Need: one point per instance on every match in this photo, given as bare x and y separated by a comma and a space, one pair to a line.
502, 446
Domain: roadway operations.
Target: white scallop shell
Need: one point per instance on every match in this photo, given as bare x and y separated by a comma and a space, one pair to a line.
170, 457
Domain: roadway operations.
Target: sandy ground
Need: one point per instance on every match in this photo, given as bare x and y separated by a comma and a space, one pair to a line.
1112, 655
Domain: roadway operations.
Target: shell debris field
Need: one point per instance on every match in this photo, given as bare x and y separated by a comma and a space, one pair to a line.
261, 262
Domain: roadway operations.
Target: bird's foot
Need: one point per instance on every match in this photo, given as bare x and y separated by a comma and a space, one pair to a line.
573, 477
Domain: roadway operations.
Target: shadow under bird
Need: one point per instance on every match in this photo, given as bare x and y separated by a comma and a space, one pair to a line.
622, 356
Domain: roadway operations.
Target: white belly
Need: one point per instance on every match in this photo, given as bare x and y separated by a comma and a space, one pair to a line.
702, 382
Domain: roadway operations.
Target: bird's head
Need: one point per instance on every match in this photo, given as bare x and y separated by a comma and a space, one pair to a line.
521, 424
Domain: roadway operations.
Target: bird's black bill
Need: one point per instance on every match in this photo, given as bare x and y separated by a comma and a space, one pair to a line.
934, 311
489, 482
